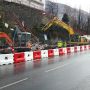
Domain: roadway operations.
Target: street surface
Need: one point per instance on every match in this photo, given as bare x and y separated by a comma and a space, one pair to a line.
68, 72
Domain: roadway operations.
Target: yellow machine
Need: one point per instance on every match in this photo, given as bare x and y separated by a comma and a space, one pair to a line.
59, 23
67, 27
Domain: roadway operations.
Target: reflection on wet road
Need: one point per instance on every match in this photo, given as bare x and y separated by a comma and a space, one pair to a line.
66, 72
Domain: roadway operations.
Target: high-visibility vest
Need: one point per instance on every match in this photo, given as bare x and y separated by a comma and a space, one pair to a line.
64, 44
60, 44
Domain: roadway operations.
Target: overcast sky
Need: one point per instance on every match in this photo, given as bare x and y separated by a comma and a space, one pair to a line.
83, 4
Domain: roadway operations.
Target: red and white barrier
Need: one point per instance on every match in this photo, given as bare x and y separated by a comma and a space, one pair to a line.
65, 50
19, 57
68, 50
81, 48
72, 49
37, 55
78, 48
61, 51
6, 59
56, 52
50, 53
28, 56
75, 49
87, 46
44, 53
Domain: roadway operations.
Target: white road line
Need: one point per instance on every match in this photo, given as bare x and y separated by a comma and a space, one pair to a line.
13, 83
56, 68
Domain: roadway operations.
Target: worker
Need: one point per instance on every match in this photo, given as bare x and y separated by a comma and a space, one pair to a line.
29, 45
64, 44
79, 38
60, 44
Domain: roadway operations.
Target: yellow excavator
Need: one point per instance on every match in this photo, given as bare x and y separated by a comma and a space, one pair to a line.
60, 23
68, 28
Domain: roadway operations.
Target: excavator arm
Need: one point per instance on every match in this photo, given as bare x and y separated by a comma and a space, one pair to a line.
56, 21
8, 40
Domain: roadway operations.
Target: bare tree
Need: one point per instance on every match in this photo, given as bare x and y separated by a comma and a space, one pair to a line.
52, 8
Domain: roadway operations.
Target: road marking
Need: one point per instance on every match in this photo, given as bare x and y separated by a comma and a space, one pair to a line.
13, 83
56, 68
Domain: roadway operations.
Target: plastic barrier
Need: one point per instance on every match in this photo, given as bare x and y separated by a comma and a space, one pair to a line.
61, 51
65, 50
50, 53
19, 57
85, 47
28, 56
37, 55
56, 52
78, 48
72, 49
81, 48
75, 49
89, 46
44, 53
68, 50
6, 59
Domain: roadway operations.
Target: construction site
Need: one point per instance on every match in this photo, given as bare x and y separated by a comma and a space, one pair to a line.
36, 27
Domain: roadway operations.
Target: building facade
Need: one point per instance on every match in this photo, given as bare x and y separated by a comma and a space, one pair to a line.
38, 4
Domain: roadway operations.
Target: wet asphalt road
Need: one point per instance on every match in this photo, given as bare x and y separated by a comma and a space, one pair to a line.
69, 72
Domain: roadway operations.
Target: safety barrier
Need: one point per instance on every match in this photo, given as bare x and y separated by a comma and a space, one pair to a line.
72, 49
68, 50
44, 53
56, 52
50, 53
78, 48
87, 46
6, 59
75, 49
34, 56
64, 50
81, 48
28, 56
61, 51
19, 57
